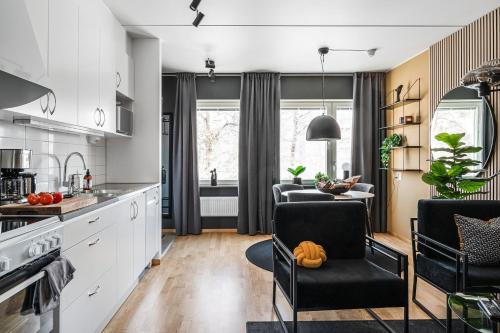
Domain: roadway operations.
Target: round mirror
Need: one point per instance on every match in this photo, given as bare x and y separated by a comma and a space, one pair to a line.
462, 111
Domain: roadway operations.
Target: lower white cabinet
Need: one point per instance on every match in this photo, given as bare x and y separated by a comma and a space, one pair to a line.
90, 312
110, 248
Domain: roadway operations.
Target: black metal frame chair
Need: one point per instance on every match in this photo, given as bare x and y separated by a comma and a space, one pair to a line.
282, 254
429, 244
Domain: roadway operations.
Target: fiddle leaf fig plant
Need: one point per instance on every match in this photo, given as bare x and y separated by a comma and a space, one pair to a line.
451, 173
390, 142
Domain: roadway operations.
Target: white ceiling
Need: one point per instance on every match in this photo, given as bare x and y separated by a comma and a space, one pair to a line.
284, 35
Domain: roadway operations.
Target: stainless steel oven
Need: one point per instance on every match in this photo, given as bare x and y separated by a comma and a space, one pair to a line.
16, 299
27, 244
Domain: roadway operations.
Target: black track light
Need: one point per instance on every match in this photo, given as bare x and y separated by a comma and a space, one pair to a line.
211, 75
194, 5
198, 19
209, 63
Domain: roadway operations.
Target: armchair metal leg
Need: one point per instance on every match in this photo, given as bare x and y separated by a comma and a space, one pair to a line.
448, 317
422, 307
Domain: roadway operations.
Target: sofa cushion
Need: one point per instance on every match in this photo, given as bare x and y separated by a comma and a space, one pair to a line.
479, 239
442, 273
343, 284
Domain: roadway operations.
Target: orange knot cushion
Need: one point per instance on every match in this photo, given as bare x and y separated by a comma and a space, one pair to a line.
309, 254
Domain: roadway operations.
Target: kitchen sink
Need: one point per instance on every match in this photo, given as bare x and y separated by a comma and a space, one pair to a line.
105, 192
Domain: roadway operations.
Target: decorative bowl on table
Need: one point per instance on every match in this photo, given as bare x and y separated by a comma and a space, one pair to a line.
337, 187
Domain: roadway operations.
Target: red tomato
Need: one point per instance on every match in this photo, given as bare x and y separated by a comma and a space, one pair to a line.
46, 199
33, 199
42, 193
58, 197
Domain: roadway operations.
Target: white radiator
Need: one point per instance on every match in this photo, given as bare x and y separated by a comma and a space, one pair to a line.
219, 206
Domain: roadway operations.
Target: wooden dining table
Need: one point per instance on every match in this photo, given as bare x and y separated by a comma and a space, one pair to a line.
349, 195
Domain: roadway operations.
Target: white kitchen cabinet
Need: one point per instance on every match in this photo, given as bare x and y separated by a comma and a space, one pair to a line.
107, 69
153, 223
139, 229
88, 65
124, 213
124, 64
63, 61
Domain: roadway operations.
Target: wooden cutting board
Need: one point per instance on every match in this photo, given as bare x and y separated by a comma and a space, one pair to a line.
63, 207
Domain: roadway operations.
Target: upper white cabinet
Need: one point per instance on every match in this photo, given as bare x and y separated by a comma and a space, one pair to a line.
107, 70
63, 61
124, 63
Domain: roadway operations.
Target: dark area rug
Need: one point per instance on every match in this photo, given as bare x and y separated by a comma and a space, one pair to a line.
359, 326
261, 255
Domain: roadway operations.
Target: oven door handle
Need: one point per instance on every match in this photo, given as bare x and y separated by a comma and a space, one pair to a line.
23, 285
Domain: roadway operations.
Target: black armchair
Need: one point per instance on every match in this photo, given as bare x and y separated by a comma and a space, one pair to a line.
347, 280
280, 188
437, 258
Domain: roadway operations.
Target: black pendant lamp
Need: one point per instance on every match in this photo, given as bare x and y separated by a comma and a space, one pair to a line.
324, 127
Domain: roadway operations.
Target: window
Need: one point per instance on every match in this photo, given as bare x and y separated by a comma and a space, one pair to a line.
316, 156
218, 128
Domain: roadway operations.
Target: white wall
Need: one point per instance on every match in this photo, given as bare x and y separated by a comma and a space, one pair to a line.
138, 159
50, 150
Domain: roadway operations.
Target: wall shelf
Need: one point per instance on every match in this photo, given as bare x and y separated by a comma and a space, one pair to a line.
401, 102
389, 126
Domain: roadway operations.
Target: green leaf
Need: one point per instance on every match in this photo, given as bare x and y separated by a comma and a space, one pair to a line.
468, 150
456, 170
446, 150
451, 140
439, 169
468, 185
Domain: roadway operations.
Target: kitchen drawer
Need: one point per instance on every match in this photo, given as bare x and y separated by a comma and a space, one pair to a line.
88, 312
91, 258
80, 228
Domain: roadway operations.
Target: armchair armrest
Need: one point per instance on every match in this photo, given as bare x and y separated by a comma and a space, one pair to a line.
460, 258
279, 248
400, 258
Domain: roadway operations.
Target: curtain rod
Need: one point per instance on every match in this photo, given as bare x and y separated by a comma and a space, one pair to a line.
282, 74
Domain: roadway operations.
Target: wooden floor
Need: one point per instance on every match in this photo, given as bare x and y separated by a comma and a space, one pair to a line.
205, 284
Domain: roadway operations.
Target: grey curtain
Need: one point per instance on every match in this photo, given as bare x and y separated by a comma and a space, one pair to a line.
258, 150
368, 97
186, 192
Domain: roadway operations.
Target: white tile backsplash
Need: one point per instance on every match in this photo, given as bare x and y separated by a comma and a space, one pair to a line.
50, 150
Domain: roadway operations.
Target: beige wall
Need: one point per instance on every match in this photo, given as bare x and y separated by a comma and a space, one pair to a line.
404, 194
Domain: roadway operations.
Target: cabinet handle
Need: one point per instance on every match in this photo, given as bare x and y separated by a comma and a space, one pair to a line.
136, 210
103, 118
46, 107
55, 103
94, 220
94, 242
96, 290
97, 112
119, 78
132, 211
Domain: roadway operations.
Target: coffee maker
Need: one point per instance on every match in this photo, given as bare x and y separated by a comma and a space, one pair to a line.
15, 183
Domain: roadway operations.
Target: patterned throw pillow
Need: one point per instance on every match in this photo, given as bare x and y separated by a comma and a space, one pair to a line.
479, 239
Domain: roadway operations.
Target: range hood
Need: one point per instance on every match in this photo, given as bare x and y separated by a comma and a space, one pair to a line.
15, 91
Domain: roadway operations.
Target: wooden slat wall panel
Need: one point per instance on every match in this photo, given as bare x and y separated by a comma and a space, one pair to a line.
454, 56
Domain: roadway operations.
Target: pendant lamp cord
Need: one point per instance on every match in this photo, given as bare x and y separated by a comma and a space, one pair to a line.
322, 60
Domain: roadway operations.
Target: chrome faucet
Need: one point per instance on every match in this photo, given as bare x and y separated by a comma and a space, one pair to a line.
71, 182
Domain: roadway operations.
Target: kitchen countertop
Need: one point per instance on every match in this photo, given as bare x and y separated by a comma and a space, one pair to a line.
121, 191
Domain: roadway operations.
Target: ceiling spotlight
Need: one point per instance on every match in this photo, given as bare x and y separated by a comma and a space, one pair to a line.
211, 75
209, 63
371, 52
194, 5
198, 19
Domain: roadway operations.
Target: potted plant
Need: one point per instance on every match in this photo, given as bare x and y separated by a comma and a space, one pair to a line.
296, 172
390, 142
321, 177
452, 174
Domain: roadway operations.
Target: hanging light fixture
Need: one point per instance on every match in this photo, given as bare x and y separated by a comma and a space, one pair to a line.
324, 127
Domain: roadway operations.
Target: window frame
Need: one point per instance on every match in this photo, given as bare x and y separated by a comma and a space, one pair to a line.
228, 104
331, 146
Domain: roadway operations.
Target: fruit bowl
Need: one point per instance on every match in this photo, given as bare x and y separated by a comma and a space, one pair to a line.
335, 191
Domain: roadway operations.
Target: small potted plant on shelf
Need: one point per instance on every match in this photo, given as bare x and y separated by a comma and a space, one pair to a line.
394, 140
453, 174
296, 173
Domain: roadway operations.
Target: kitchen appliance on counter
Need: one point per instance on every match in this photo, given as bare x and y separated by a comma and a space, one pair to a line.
27, 244
124, 120
15, 184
